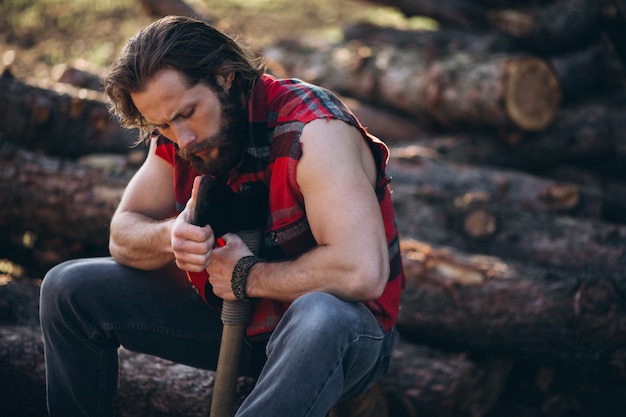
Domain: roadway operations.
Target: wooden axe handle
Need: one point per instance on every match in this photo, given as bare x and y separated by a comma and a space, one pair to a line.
235, 314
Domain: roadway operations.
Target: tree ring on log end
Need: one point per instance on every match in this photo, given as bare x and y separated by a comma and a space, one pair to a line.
532, 93
479, 224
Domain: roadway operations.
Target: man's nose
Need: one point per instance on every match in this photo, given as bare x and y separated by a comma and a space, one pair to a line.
184, 136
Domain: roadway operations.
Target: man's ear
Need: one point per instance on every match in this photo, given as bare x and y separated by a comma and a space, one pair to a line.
225, 81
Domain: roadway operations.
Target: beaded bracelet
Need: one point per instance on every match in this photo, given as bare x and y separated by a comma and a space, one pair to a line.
240, 276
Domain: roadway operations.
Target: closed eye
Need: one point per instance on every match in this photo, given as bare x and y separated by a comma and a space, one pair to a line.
182, 115
187, 114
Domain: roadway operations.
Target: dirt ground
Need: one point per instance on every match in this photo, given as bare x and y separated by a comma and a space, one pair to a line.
37, 35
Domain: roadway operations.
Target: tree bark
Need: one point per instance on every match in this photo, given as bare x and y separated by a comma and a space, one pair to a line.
149, 386
57, 208
19, 300
535, 237
60, 120
471, 301
41, 196
22, 372
584, 72
582, 133
613, 190
502, 92
383, 123
423, 381
477, 208
560, 25
451, 183
614, 24
435, 43
420, 378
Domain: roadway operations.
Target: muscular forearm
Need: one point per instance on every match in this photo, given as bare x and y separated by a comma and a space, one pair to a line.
322, 270
141, 242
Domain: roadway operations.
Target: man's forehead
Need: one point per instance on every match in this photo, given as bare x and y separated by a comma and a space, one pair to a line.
163, 97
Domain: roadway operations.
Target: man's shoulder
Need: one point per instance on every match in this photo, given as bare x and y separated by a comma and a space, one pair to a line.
288, 88
294, 99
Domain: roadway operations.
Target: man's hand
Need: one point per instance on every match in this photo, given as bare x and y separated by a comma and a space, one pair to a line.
192, 245
223, 260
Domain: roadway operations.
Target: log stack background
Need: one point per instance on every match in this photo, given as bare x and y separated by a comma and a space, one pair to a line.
508, 134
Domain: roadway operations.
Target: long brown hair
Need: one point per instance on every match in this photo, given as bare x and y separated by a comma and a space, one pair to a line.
191, 46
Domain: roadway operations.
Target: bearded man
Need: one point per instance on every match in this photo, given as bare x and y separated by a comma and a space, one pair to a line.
325, 287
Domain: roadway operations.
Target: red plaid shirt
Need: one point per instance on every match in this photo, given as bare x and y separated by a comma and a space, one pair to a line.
278, 111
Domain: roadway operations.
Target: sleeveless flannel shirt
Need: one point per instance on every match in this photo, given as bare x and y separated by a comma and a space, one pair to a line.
278, 111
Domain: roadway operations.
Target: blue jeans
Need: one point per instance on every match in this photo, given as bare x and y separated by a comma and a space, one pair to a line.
323, 350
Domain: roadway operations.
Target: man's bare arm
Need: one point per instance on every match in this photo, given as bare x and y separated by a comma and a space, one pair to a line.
145, 231
336, 175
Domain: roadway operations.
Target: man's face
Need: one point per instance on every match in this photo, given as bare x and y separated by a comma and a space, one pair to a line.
208, 126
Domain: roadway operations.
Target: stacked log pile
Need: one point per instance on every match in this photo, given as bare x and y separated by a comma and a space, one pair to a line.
508, 148
511, 201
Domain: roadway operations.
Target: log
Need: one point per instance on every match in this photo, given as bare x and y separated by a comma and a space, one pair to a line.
570, 317
581, 133
557, 26
613, 190
390, 126
78, 75
615, 202
613, 14
42, 199
535, 237
540, 389
420, 377
60, 120
149, 386
435, 43
75, 194
502, 92
476, 208
457, 184
585, 71
431, 382
613, 167
19, 298
154, 387
492, 222
22, 372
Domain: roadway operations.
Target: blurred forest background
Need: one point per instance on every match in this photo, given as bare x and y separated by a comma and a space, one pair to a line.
507, 125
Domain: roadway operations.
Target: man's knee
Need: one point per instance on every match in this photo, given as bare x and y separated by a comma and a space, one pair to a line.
320, 311
63, 285
321, 318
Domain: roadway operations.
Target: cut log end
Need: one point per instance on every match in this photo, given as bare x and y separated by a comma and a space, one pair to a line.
532, 93
479, 224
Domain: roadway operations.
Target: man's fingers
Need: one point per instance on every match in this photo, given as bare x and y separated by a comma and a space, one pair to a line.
193, 262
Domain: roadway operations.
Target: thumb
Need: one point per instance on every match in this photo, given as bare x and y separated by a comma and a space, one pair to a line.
191, 204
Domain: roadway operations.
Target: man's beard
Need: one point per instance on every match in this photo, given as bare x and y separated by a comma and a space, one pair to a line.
229, 141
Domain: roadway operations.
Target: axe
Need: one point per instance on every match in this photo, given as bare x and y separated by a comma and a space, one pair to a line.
244, 213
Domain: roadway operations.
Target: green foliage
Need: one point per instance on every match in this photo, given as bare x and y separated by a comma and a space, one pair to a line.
62, 30
43, 33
